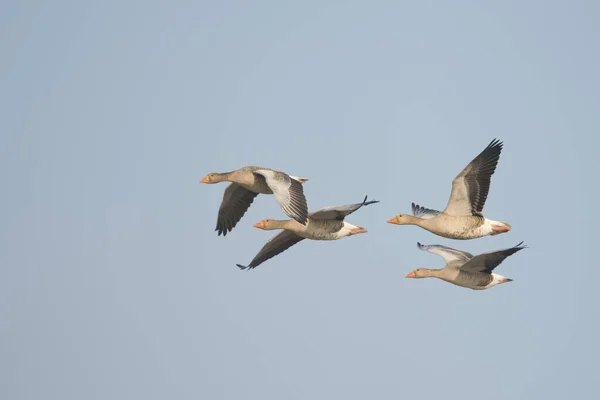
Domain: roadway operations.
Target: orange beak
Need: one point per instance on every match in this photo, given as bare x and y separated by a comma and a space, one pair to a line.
393, 220
260, 225
410, 275
206, 179
358, 230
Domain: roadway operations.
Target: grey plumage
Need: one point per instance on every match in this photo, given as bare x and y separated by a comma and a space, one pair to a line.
247, 183
422, 212
236, 201
288, 192
487, 262
324, 224
464, 269
278, 244
447, 253
470, 188
340, 212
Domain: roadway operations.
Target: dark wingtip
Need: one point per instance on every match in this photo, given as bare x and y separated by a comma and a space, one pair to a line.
495, 143
521, 246
303, 219
242, 267
300, 221
222, 231
366, 203
414, 208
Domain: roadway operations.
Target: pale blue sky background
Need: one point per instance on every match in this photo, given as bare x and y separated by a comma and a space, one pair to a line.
114, 284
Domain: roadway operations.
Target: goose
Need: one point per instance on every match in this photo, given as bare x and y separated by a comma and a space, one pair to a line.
463, 216
325, 224
249, 182
464, 269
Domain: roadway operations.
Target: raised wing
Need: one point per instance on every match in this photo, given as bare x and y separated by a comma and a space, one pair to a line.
423, 212
288, 192
279, 243
340, 212
235, 203
447, 253
470, 188
486, 262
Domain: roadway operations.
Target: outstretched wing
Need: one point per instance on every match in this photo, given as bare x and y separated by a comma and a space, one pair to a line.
235, 203
340, 212
278, 244
423, 212
288, 192
447, 253
470, 188
486, 262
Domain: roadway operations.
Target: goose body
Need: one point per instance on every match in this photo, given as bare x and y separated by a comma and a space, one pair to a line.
324, 224
463, 216
461, 227
464, 269
249, 182
315, 229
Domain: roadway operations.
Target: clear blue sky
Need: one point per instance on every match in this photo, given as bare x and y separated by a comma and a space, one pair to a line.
114, 284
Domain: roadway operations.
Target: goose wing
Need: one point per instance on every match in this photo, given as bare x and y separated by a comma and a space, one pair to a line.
278, 244
486, 262
447, 253
340, 212
288, 192
235, 203
470, 188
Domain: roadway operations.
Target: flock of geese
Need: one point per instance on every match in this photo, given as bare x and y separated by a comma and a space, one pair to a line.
461, 219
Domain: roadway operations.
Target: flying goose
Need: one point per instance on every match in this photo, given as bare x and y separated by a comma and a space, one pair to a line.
325, 224
464, 269
249, 182
462, 218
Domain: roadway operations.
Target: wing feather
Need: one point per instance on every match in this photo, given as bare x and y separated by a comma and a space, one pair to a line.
288, 192
447, 253
340, 212
486, 262
470, 188
422, 212
235, 203
278, 244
